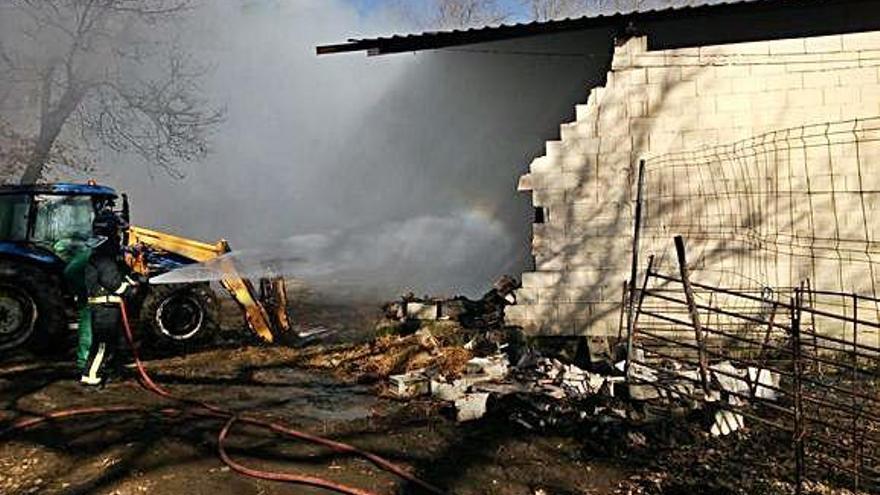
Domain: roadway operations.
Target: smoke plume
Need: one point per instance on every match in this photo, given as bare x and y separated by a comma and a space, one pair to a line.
398, 171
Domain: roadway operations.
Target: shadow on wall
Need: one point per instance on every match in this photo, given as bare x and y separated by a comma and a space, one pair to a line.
595, 256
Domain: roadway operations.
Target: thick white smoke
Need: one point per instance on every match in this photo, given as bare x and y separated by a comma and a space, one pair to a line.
313, 163
417, 254
410, 161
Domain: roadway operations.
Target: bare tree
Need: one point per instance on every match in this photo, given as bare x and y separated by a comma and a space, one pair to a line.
545, 10
458, 14
103, 73
14, 151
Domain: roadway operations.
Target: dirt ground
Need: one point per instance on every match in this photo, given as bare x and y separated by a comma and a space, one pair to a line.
333, 387
132, 454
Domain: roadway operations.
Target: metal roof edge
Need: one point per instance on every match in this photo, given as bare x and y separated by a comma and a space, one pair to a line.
442, 39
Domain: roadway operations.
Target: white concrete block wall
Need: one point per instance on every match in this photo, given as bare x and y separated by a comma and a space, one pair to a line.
660, 102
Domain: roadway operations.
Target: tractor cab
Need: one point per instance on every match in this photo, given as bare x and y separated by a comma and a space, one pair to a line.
44, 224
41, 228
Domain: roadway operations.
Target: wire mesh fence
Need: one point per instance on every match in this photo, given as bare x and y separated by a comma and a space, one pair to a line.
770, 211
783, 231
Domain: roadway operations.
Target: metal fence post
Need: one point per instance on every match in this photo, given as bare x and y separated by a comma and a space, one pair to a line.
856, 446
692, 310
637, 228
798, 436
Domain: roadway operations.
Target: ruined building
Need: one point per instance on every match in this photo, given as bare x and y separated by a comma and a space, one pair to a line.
758, 125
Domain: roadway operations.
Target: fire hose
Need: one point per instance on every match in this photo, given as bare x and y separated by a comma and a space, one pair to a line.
203, 409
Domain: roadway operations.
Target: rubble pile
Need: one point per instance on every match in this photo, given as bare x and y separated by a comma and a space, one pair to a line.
458, 351
484, 314
420, 340
438, 346
543, 391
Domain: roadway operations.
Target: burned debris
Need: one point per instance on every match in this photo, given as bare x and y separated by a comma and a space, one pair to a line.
539, 388
486, 313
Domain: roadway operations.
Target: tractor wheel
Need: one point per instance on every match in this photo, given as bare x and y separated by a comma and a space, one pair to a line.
175, 316
32, 308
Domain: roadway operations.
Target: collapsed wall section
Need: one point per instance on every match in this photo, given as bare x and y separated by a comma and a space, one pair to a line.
657, 104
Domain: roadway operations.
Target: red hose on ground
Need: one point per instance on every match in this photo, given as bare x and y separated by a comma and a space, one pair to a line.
231, 418
273, 476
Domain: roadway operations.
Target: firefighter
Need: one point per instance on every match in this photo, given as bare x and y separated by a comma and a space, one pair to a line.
108, 282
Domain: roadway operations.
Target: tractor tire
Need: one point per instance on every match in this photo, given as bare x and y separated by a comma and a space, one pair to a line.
178, 317
32, 309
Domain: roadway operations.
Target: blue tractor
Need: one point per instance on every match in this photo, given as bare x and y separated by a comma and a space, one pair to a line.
40, 227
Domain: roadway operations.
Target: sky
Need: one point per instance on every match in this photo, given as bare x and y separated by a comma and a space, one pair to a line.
517, 10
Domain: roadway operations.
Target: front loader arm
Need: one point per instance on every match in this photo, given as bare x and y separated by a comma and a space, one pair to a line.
239, 288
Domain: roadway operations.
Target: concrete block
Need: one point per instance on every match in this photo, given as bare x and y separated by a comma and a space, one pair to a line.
718, 121
636, 77
732, 72
525, 295
749, 84
568, 131
764, 70
618, 128
726, 422
613, 145
824, 44
519, 311
804, 97
488, 368
549, 262
821, 79
664, 75
582, 164
621, 61
553, 149
733, 103
749, 48
611, 114
840, 96
678, 56
422, 311
589, 277
784, 81
412, 384
662, 142
583, 294
585, 112
579, 210
449, 392
859, 77
585, 146
681, 91
555, 327
541, 279
787, 46
573, 311
758, 47
595, 97
861, 41
707, 82
543, 164
870, 93
529, 327
555, 180
761, 102
637, 107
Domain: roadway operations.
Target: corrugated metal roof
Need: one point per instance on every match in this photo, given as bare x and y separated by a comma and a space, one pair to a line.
620, 20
